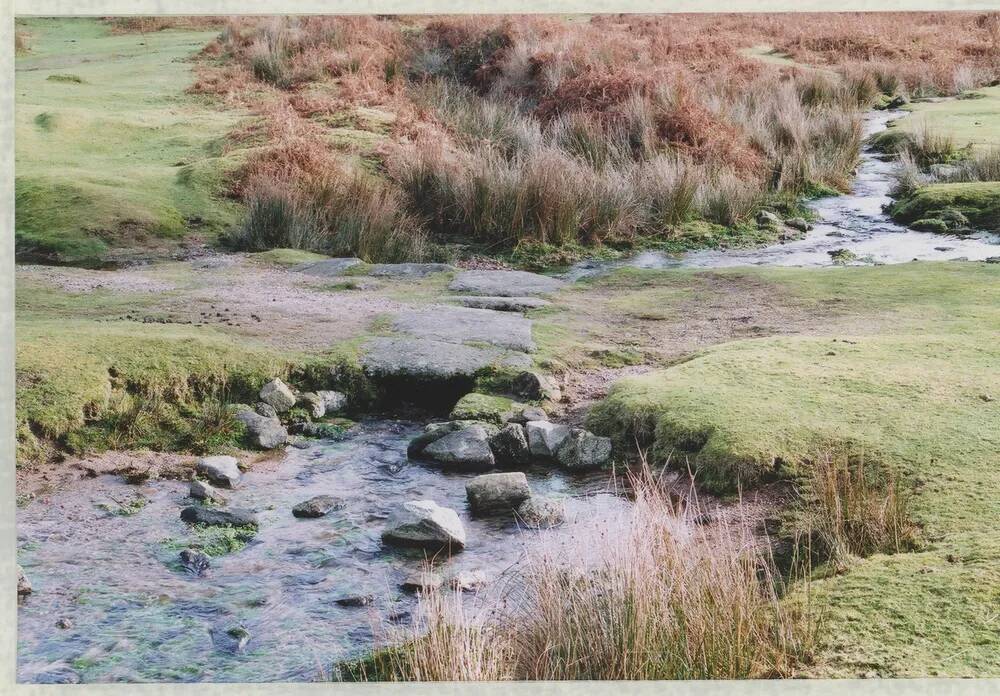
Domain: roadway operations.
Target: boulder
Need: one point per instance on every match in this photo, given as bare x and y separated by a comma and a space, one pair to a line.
425, 524
57, 675
504, 283
333, 401
501, 304
528, 413
313, 403
510, 446
222, 470
545, 438
435, 431
541, 512
64, 623
278, 395
495, 494
318, 506
798, 223
584, 450
484, 407
23, 585
423, 581
194, 561
265, 433
536, 387
204, 491
467, 449
236, 517
467, 580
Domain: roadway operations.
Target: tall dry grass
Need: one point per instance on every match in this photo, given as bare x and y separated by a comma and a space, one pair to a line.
666, 600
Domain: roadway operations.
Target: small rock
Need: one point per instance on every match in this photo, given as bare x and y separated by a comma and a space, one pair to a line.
424, 523
240, 636
467, 449
194, 561
545, 438
236, 517
542, 512
766, 218
355, 600
203, 491
318, 506
584, 450
501, 493
528, 413
314, 404
510, 446
468, 580
798, 223
536, 387
333, 401
986, 397
221, 470
422, 582
266, 410
278, 395
266, 433
23, 585
64, 623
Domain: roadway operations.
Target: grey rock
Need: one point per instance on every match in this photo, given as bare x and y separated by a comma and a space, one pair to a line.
423, 581
529, 413
236, 517
355, 600
464, 325
584, 450
327, 268
467, 449
194, 561
266, 410
23, 585
204, 491
468, 580
510, 446
504, 283
545, 438
541, 512
221, 470
766, 218
313, 403
798, 223
333, 401
435, 431
266, 433
433, 360
425, 524
318, 506
501, 304
535, 386
278, 395
409, 270
493, 494
64, 623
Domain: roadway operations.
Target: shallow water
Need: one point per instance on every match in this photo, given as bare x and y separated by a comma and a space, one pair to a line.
137, 616
854, 221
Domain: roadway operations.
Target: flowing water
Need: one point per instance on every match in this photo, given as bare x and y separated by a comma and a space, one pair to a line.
138, 616
855, 222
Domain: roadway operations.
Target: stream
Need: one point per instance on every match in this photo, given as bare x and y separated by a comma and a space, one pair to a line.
855, 221
131, 613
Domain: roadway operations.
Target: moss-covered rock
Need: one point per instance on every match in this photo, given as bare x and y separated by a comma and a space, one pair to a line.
976, 202
484, 407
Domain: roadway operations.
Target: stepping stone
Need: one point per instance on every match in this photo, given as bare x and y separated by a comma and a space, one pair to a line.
464, 325
318, 506
425, 524
434, 360
504, 283
497, 494
235, 517
222, 470
501, 304
327, 268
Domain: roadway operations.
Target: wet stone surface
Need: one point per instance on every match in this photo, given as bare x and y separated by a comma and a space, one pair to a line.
308, 593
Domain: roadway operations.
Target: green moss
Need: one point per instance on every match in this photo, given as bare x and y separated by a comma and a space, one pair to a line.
483, 407
288, 257
214, 540
978, 202
930, 225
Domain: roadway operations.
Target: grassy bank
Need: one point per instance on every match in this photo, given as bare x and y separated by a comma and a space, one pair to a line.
113, 160
918, 395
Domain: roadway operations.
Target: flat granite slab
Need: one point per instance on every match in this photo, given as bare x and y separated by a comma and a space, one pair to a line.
465, 325
328, 268
408, 270
500, 304
504, 283
429, 359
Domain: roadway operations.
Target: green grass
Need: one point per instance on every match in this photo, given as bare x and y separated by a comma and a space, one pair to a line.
972, 120
920, 395
288, 257
979, 201
112, 158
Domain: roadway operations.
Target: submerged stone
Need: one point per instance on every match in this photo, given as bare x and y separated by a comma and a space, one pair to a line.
194, 561
318, 506
541, 512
